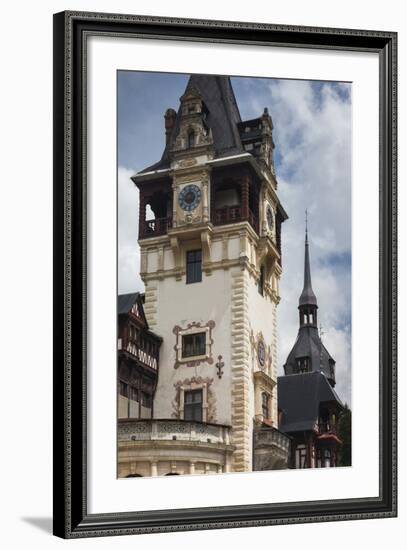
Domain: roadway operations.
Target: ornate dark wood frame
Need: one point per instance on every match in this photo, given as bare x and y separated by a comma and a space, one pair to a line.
71, 518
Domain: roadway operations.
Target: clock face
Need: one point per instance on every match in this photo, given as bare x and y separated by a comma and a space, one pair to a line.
261, 353
269, 215
190, 197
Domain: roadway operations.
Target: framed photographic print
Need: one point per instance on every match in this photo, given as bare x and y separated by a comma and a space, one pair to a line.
224, 274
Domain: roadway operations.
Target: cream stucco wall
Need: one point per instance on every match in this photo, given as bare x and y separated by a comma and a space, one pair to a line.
263, 320
228, 302
180, 304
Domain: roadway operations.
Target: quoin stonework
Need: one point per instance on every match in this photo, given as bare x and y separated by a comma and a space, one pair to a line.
197, 351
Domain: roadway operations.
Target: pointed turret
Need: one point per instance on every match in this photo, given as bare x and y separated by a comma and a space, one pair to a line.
309, 354
308, 301
307, 297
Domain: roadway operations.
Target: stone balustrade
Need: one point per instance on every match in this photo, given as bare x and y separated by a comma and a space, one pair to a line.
271, 437
172, 430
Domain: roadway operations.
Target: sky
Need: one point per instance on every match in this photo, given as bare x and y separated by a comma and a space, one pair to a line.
313, 142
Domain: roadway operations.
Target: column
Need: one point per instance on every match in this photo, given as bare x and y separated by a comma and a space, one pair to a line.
142, 216
205, 199
263, 210
310, 450
192, 468
153, 466
244, 185
174, 204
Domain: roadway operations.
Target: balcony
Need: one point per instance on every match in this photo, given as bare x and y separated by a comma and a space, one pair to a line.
233, 214
155, 228
173, 430
271, 437
325, 427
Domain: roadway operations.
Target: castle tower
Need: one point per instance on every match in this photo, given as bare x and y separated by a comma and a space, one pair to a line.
309, 407
308, 353
210, 245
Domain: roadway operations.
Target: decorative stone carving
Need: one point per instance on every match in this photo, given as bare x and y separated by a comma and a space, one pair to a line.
257, 341
192, 328
194, 383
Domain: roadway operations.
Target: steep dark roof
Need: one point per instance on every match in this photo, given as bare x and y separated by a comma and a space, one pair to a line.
308, 344
126, 301
307, 297
300, 397
223, 116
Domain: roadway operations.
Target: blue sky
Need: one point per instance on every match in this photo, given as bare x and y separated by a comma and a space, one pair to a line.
312, 133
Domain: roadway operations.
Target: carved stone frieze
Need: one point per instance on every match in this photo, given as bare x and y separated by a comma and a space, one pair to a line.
190, 329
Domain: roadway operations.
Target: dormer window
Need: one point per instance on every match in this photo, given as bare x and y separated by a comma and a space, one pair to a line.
191, 139
303, 364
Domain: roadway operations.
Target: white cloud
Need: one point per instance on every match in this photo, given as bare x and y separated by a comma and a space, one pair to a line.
128, 249
313, 138
313, 141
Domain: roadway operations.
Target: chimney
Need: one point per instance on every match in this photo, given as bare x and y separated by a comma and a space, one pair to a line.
170, 116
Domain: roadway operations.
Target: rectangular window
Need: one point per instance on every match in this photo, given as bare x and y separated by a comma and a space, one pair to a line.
301, 457
193, 405
260, 284
124, 389
194, 344
302, 364
133, 393
194, 266
146, 400
133, 333
265, 405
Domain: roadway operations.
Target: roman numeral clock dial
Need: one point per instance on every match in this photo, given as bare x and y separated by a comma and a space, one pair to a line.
190, 197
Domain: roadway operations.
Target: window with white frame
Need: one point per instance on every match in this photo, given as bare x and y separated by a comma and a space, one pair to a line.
193, 343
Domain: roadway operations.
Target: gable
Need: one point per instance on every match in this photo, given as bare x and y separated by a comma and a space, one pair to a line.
132, 304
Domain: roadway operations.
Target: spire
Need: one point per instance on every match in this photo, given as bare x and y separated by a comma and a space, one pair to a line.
307, 297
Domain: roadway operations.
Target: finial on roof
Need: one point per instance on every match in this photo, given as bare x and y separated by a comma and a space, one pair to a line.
306, 226
307, 296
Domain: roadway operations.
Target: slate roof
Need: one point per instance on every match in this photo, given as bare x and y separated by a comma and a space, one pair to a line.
300, 397
126, 301
223, 118
309, 344
307, 297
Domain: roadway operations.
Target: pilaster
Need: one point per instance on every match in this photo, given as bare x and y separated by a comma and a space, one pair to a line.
150, 304
240, 342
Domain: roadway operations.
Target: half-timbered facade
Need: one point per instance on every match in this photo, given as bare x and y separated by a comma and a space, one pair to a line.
138, 359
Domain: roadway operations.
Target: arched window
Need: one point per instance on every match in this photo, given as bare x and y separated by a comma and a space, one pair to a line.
260, 284
265, 405
191, 139
134, 475
172, 474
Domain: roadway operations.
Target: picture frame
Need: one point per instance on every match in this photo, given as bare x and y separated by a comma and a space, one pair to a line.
71, 516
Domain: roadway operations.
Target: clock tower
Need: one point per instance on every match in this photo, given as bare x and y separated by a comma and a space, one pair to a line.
210, 255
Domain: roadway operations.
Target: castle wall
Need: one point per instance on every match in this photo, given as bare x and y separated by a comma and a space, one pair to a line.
207, 305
